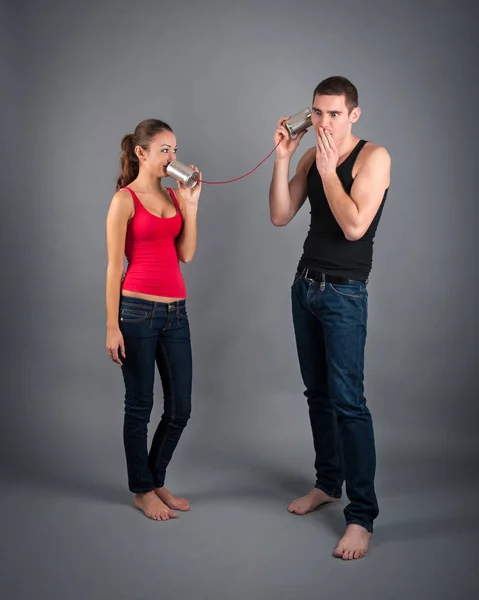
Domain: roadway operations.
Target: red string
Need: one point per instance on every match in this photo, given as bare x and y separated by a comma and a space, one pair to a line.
246, 174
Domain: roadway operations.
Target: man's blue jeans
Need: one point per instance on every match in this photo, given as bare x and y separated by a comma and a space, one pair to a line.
330, 327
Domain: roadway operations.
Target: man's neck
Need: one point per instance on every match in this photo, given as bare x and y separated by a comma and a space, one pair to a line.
346, 146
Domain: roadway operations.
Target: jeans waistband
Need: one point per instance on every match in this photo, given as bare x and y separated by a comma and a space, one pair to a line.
151, 304
326, 277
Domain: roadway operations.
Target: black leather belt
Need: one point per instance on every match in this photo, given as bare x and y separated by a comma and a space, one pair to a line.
319, 276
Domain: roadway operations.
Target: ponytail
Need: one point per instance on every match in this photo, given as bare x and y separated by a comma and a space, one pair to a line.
128, 162
130, 165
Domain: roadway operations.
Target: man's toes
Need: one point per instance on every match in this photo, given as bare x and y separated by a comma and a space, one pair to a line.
346, 554
339, 552
357, 554
299, 510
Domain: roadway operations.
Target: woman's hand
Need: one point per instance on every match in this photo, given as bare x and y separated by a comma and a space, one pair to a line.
191, 195
114, 340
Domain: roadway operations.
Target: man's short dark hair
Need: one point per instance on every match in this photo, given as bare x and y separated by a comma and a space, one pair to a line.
338, 86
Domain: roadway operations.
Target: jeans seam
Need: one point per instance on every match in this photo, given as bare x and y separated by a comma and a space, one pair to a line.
137, 461
132, 319
167, 324
132, 306
309, 298
142, 491
336, 291
360, 355
173, 403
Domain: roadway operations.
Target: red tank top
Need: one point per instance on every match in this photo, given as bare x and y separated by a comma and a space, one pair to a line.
150, 249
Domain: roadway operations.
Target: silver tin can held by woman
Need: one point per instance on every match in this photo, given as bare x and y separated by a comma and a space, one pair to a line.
183, 173
298, 122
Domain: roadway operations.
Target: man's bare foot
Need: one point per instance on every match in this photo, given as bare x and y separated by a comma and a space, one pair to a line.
354, 543
172, 501
310, 502
153, 507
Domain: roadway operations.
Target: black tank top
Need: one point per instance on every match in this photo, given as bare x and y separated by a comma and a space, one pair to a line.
325, 248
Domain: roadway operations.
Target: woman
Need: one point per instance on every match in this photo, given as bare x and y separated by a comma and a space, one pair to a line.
147, 323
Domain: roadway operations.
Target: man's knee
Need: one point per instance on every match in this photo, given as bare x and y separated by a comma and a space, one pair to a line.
351, 408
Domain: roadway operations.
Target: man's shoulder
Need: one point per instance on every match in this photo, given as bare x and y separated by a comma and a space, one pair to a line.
375, 157
371, 149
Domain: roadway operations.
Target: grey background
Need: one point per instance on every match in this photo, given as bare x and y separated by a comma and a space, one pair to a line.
76, 77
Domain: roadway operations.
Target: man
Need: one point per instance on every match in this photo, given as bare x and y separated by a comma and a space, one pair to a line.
346, 180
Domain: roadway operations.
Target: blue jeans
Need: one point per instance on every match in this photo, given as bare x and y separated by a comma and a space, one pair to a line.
154, 332
330, 329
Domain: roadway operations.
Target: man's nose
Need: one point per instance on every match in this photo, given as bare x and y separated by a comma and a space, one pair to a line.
324, 122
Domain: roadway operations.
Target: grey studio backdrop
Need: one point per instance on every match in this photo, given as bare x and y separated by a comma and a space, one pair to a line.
79, 76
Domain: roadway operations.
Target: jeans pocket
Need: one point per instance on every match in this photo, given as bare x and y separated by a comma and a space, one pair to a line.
296, 277
182, 317
130, 314
348, 290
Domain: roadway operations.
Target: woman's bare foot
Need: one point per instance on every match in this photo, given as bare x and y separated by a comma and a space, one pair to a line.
172, 501
310, 502
354, 543
153, 507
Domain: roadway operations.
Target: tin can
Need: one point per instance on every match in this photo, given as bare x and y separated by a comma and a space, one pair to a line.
298, 122
183, 173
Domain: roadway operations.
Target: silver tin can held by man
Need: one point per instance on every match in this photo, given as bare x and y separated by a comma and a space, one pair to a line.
183, 173
298, 122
